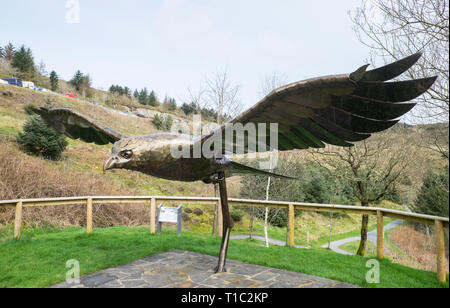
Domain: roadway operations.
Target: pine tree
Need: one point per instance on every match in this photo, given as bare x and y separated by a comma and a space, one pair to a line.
126, 91
142, 97
77, 80
152, 100
54, 81
432, 198
23, 61
39, 139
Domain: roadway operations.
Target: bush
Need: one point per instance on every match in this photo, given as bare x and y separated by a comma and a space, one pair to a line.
161, 124
279, 218
39, 139
168, 123
236, 215
157, 122
189, 108
29, 109
198, 212
433, 195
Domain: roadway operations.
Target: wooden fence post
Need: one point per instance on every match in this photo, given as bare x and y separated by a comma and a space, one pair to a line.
291, 225
380, 235
153, 216
89, 215
18, 220
440, 251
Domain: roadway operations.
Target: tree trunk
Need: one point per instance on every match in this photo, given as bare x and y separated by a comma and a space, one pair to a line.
266, 216
266, 222
362, 244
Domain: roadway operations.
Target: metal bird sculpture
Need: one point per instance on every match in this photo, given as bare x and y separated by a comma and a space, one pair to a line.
336, 110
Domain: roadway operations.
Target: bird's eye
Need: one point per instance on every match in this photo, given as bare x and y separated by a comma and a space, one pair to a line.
126, 154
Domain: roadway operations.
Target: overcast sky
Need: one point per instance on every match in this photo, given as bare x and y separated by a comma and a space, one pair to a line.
169, 45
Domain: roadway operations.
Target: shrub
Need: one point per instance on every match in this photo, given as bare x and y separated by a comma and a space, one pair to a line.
168, 123
189, 108
198, 212
39, 139
236, 215
157, 122
433, 195
29, 109
161, 124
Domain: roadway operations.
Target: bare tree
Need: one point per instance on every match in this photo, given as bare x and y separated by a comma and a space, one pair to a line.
374, 168
197, 97
8, 52
269, 84
259, 187
7, 69
223, 96
395, 29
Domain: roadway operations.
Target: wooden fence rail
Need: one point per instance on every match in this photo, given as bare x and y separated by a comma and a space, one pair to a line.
439, 222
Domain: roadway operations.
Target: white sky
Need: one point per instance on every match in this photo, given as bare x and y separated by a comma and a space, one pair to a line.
168, 45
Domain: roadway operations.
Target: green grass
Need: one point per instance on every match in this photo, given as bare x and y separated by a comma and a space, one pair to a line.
280, 233
38, 259
324, 240
371, 249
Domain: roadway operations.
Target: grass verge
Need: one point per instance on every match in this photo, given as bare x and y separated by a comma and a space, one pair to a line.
39, 258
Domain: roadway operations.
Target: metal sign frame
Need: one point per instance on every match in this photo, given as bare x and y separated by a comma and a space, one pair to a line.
179, 211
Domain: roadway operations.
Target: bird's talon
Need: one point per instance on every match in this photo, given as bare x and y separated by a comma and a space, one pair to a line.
220, 269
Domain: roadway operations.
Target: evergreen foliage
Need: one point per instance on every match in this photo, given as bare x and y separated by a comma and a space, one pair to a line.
54, 81
433, 195
23, 61
39, 139
77, 80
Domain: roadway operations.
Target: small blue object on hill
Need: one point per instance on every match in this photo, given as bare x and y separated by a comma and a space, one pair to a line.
14, 81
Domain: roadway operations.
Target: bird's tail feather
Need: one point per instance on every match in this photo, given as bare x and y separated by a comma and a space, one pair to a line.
239, 168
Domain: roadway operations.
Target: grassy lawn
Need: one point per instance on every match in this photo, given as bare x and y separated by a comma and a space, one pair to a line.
371, 249
39, 258
280, 233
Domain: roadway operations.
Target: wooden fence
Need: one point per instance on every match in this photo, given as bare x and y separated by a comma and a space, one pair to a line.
439, 222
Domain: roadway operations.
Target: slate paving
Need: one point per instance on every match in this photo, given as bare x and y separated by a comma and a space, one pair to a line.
185, 269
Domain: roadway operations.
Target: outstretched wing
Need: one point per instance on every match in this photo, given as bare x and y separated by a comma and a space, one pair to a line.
77, 126
337, 110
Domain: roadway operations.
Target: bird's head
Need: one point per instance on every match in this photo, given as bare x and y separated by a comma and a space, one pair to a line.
126, 154
144, 153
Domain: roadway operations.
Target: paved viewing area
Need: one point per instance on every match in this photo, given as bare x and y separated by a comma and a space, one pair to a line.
184, 269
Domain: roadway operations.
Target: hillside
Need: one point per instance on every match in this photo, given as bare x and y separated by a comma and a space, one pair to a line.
80, 156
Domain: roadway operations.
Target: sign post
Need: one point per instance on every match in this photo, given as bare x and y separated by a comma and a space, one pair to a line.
169, 214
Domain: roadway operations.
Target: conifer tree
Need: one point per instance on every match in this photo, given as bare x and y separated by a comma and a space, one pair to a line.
23, 61
54, 81
39, 139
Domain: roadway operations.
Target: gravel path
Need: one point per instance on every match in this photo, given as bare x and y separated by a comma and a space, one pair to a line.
371, 236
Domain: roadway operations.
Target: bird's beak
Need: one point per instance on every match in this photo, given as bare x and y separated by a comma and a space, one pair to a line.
109, 163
